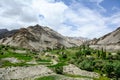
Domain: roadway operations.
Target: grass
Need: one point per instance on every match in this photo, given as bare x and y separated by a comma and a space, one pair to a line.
17, 55
102, 78
57, 65
77, 76
7, 63
44, 62
52, 77
25, 57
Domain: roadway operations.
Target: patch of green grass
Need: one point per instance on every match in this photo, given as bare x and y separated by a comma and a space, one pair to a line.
52, 77
57, 65
77, 76
25, 57
7, 63
44, 62
102, 78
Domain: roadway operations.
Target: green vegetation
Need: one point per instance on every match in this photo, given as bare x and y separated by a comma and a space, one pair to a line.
100, 61
52, 77
77, 76
7, 51
58, 68
10, 52
7, 63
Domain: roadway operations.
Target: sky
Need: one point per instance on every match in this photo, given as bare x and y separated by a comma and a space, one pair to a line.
75, 18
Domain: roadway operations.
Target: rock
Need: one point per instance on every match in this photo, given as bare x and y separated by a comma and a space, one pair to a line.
24, 72
12, 60
72, 69
32, 62
20, 51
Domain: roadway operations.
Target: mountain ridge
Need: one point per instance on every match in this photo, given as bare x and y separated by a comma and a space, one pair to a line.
38, 38
110, 41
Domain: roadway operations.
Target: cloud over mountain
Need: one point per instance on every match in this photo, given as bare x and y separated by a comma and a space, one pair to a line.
78, 18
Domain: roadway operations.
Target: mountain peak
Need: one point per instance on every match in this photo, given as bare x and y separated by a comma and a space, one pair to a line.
118, 28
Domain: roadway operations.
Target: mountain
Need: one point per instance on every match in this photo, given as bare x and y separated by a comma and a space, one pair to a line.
5, 33
2, 32
77, 40
38, 38
110, 41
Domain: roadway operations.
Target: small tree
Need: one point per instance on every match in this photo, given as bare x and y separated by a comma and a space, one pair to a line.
117, 72
98, 53
78, 54
118, 52
59, 69
109, 68
64, 56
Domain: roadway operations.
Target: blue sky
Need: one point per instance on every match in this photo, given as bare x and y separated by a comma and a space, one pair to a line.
85, 18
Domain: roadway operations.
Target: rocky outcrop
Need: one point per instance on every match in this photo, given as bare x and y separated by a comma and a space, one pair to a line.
24, 72
72, 69
38, 38
11, 60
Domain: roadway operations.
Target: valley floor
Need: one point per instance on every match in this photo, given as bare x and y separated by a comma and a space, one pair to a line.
79, 63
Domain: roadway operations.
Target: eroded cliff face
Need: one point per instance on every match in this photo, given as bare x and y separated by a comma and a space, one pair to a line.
39, 38
110, 41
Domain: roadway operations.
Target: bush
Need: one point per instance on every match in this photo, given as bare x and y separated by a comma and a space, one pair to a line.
118, 52
86, 65
64, 56
117, 71
59, 70
78, 54
109, 69
98, 65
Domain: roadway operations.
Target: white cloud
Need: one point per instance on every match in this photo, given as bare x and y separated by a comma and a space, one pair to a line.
73, 20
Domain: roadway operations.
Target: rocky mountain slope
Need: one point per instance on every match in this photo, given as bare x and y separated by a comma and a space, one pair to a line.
77, 40
38, 38
110, 41
6, 33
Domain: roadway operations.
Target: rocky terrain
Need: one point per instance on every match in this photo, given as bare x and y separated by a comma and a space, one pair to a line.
22, 64
110, 41
23, 72
72, 69
77, 41
32, 72
38, 38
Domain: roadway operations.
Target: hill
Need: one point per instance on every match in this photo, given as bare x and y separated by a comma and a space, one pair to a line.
38, 38
110, 41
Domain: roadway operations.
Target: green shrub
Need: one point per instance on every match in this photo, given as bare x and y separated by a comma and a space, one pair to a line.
117, 71
59, 70
78, 54
118, 52
86, 65
98, 65
109, 69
